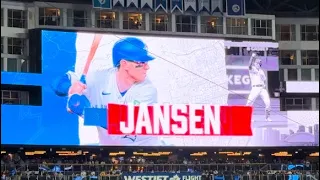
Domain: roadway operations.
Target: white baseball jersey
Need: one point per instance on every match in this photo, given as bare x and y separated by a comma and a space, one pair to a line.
102, 88
257, 76
258, 80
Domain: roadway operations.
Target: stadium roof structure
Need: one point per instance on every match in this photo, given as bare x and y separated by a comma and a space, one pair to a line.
280, 8
284, 8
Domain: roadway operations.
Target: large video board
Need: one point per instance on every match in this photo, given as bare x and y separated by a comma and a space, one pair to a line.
84, 72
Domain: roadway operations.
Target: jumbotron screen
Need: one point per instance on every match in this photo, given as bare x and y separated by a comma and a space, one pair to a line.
119, 90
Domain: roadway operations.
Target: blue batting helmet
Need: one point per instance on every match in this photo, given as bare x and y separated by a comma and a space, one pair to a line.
131, 49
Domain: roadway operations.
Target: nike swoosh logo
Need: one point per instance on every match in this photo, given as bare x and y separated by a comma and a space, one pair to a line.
105, 93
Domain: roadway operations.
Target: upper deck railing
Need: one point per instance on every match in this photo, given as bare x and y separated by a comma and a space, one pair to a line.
148, 167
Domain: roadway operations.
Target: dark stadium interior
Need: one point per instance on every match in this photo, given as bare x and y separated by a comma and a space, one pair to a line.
111, 161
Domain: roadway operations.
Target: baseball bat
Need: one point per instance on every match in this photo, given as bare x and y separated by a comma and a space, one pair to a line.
74, 102
94, 47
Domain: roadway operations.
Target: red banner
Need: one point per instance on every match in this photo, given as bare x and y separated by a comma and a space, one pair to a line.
194, 119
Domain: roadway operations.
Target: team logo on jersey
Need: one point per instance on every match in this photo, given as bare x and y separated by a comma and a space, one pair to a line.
135, 102
132, 138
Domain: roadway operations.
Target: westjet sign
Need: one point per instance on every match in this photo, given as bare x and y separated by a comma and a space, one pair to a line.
162, 176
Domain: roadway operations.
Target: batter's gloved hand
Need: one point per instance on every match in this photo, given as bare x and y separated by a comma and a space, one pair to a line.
77, 103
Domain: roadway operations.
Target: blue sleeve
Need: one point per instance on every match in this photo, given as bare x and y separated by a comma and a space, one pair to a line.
96, 117
61, 85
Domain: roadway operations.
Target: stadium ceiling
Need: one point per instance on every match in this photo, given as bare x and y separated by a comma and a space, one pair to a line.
284, 8
280, 8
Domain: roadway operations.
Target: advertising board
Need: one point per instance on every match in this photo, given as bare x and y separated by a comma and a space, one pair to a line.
162, 176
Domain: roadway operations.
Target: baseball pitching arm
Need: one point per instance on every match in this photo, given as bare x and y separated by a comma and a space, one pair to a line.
252, 59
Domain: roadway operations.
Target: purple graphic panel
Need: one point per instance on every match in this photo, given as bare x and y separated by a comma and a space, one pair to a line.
269, 63
269, 129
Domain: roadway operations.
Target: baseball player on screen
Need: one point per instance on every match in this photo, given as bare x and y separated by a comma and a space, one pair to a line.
124, 83
258, 84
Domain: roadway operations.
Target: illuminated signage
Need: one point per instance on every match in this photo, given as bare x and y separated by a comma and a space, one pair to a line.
174, 73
